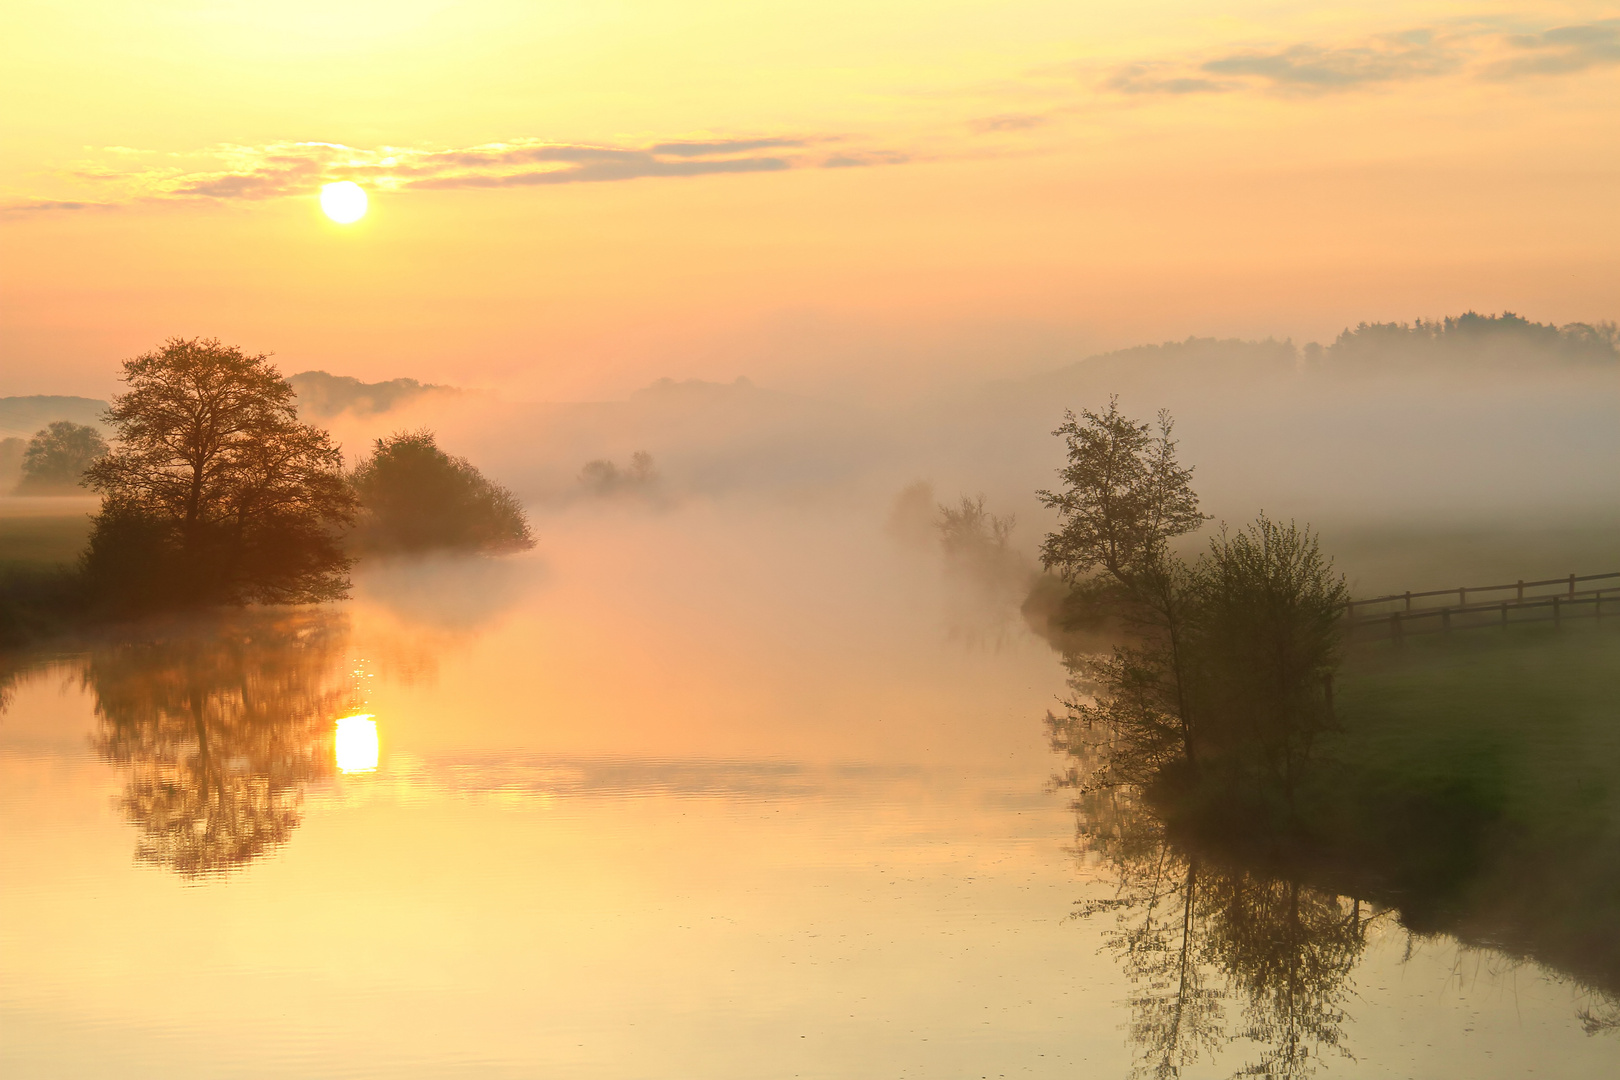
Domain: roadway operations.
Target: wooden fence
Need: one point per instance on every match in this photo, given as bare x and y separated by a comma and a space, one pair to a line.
1437, 610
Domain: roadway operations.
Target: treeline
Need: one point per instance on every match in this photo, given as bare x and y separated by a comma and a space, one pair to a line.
215, 493
1477, 339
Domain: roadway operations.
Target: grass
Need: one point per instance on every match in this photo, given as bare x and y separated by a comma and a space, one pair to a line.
43, 541
1530, 712
41, 593
1476, 785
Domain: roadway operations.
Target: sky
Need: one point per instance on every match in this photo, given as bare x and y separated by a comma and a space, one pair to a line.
570, 200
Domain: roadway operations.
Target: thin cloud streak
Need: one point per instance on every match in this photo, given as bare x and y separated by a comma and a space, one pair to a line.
281, 170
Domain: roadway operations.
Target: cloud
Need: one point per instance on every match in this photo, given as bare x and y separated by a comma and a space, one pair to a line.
1145, 78
1562, 50
1394, 58
1310, 68
1008, 122
27, 206
595, 169
863, 160
724, 146
231, 173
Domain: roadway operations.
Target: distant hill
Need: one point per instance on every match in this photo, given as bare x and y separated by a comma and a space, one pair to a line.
21, 417
323, 394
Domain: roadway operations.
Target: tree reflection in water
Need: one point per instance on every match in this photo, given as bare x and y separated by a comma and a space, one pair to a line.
1197, 939
220, 726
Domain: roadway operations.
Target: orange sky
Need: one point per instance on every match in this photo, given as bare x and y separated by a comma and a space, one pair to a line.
571, 199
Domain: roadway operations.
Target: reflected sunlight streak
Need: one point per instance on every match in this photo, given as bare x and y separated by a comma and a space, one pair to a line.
355, 746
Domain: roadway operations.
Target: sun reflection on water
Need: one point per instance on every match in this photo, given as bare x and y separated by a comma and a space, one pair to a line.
355, 746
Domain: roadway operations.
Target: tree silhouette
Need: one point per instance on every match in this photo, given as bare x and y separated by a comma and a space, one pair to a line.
56, 458
215, 493
220, 726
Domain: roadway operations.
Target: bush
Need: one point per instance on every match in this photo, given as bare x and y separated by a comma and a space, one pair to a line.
415, 497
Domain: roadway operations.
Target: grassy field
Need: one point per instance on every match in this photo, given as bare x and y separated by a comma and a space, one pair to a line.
1477, 786
41, 541
1530, 712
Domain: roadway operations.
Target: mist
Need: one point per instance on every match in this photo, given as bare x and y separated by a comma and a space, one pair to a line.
1418, 463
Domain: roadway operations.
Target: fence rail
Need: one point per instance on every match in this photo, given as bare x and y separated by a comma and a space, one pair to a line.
1569, 600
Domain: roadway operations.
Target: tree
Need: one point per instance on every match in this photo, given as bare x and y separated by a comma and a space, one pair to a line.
56, 458
603, 477
416, 497
215, 493
1124, 498
1268, 625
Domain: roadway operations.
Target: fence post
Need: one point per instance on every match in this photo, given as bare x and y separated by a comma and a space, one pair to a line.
1521, 590
1462, 597
1572, 586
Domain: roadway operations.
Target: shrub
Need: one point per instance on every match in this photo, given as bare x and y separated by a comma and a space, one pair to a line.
416, 497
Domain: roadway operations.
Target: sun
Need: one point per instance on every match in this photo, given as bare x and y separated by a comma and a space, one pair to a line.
344, 202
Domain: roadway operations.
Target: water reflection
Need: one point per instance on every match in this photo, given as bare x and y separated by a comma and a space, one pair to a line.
355, 744
1247, 945
1221, 955
220, 727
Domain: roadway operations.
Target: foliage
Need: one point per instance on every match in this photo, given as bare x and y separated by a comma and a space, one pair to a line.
215, 493
1224, 661
1124, 496
971, 534
603, 477
37, 602
1266, 634
416, 497
984, 574
56, 458
1475, 339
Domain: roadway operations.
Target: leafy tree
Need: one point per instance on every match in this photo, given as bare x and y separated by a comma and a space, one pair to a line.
1124, 498
56, 458
416, 497
215, 493
1268, 628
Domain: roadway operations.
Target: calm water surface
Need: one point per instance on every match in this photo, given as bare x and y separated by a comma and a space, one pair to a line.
712, 793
